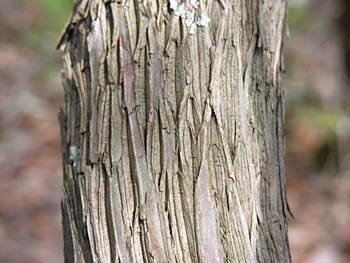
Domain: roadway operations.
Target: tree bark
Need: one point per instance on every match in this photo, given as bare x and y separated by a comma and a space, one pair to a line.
172, 132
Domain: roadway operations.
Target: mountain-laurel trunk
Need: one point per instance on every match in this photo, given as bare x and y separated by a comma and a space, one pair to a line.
172, 132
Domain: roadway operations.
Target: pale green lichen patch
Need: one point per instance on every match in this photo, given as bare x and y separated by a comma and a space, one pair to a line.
193, 28
74, 158
203, 21
189, 18
188, 13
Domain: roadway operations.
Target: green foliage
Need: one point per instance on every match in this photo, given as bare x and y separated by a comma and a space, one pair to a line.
325, 121
327, 157
55, 14
299, 17
45, 34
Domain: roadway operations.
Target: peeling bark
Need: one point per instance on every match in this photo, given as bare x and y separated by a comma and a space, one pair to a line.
172, 132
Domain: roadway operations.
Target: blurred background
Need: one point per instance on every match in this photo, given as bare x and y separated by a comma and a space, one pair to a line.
317, 130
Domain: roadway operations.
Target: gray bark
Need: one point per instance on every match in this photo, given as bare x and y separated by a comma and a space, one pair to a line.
172, 132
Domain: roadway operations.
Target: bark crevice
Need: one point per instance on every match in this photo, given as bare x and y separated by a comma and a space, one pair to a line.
179, 129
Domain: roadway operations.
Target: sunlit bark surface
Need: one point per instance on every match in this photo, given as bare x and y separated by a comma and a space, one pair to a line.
172, 132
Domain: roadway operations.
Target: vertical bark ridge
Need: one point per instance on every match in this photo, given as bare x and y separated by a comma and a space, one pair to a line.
172, 132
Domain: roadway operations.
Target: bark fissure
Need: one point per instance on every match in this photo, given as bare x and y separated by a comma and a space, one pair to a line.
172, 132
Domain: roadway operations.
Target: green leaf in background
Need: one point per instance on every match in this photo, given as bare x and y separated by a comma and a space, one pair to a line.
299, 16
55, 14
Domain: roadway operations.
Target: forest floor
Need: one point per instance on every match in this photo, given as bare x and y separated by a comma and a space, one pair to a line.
30, 159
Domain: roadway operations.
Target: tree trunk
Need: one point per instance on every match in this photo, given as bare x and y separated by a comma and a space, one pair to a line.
173, 145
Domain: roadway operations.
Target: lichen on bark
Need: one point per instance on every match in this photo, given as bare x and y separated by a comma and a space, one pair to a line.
179, 132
